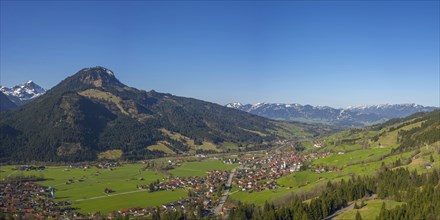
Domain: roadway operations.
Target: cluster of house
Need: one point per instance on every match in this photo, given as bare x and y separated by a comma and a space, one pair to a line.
260, 173
199, 184
203, 192
100, 165
206, 207
30, 200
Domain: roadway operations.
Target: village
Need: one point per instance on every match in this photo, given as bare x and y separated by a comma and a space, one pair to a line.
253, 173
30, 200
260, 173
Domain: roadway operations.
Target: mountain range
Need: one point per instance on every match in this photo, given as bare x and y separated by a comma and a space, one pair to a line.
357, 116
92, 112
23, 93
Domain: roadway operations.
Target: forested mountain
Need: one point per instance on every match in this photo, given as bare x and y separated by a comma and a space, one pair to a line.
357, 116
92, 111
402, 134
419, 193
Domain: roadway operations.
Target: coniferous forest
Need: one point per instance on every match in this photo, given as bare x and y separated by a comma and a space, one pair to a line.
419, 192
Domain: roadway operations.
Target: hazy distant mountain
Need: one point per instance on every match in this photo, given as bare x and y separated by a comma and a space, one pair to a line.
92, 111
350, 116
6, 103
23, 93
391, 111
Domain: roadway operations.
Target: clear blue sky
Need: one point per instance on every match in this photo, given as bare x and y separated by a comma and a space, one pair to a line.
334, 53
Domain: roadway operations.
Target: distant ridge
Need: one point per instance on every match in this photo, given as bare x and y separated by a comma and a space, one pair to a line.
351, 116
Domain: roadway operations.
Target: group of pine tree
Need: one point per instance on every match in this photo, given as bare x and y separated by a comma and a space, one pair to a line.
419, 192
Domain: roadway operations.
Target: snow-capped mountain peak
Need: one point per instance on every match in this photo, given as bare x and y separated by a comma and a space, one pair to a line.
234, 105
24, 92
349, 116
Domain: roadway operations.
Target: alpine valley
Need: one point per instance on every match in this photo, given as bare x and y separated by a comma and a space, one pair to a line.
113, 151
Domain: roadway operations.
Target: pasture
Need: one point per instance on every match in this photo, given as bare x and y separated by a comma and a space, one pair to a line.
370, 211
85, 187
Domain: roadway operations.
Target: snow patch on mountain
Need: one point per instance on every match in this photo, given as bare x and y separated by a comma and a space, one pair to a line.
23, 93
349, 116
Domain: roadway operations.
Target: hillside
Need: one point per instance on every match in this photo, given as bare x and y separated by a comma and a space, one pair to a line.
6, 103
352, 116
402, 134
92, 112
360, 151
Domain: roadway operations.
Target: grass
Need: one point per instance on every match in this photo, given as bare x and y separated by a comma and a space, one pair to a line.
160, 146
342, 147
289, 131
351, 157
230, 145
200, 168
190, 142
110, 154
370, 211
258, 198
137, 199
90, 183
390, 138
108, 97
206, 146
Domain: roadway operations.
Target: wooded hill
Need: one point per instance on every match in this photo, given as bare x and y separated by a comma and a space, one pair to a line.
92, 112
402, 134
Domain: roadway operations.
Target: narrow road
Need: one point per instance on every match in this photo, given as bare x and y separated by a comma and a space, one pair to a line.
218, 209
109, 195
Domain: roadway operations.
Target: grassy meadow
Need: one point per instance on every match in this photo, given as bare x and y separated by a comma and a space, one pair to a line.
85, 187
370, 210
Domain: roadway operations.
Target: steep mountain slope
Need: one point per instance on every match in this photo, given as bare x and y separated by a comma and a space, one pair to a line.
92, 111
351, 116
402, 134
23, 93
5, 103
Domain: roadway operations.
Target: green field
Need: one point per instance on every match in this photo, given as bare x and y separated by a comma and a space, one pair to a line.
200, 168
230, 145
258, 198
370, 211
353, 157
86, 187
130, 200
